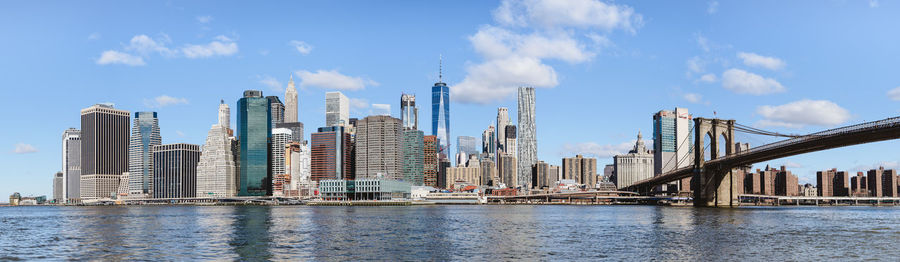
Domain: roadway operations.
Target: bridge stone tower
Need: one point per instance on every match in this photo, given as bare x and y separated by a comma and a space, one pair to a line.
713, 185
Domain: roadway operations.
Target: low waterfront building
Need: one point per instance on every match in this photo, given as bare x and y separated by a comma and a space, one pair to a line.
364, 189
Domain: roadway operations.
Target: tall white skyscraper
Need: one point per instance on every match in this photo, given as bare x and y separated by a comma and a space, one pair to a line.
673, 142
502, 122
71, 164
337, 109
144, 135
216, 170
298, 164
290, 102
280, 138
527, 137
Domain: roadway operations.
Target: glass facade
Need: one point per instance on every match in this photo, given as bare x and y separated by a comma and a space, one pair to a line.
440, 115
254, 131
144, 135
413, 166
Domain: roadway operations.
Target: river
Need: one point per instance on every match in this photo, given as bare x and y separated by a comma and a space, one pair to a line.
440, 233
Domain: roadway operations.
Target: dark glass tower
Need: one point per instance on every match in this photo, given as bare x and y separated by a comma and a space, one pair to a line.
254, 131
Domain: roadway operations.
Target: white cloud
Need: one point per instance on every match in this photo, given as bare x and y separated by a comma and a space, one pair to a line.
792, 164
894, 94
381, 109
270, 82
751, 59
333, 80
708, 78
222, 46
696, 64
693, 97
712, 7
22, 148
301, 46
568, 13
702, 42
204, 19
530, 32
144, 45
164, 100
804, 112
743, 82
115, 57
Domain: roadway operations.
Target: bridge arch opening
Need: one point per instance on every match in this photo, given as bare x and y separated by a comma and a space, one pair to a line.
722, 145
707, 146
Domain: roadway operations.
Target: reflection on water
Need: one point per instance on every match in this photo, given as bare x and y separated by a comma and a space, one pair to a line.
448, 233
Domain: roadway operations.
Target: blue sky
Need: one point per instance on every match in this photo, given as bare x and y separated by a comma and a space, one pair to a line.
601, 68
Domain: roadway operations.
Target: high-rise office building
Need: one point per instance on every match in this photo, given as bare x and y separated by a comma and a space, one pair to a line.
489, 141
635, 166
298, 164
337, 109
409, 113
276, 109
216, 168
296, 130
71, 164
673, 144
510, 146
291, 104
430, 160
330, 154
104, 150
440, 115
502, 122
377, 147
468, 145
58, 187
254, 132
413, 157
175, 170
581, 169
144, 135
281, 137
527, 137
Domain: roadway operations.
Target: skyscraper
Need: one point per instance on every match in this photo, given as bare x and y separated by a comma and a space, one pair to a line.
440, 115
330, 154
276, 109
468, 145
673, 143
431, 169
104, 150
281, 137
337, 109
510, 146
254, 132
409, 113
296, 130
144, 135
175, 170
489, 141
58, 187
527, 137
502, 122
215, 171
413, 157
291, 104
71, 164
377, 146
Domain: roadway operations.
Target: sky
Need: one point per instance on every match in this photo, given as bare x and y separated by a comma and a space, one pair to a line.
601, 69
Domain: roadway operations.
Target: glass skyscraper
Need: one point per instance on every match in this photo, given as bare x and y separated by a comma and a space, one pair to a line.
673, 143
144, 135
254, 130
440, 115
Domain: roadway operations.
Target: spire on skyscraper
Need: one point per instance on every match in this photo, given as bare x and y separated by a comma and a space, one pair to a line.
440, 68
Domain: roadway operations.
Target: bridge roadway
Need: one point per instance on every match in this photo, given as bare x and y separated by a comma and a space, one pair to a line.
881, 130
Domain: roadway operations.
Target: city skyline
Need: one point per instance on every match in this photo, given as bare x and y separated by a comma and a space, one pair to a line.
793, 91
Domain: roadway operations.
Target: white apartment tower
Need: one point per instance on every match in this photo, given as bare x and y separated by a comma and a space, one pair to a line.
337, 109
71, 164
